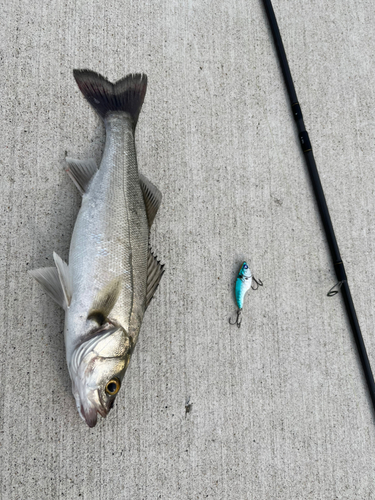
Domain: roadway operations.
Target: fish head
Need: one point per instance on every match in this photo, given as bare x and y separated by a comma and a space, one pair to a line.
97, 369
245, 270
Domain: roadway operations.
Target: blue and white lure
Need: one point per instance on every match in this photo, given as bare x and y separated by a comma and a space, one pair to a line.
244, 282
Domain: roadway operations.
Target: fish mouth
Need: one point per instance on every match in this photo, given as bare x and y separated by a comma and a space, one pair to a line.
90, 415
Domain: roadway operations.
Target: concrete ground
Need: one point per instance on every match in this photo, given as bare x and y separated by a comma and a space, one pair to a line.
280, 409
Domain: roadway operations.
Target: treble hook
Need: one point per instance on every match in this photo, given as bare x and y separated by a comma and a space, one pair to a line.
238, 319
258, 283
332, 291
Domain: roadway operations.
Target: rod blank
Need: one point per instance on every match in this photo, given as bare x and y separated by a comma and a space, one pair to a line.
321, 201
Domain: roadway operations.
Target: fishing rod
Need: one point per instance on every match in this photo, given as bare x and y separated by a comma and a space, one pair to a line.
321, 201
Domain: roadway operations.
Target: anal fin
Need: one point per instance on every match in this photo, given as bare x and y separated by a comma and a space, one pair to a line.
152, 197
154, 273
81, 172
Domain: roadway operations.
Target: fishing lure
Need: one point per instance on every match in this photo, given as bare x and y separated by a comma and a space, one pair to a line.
244, 282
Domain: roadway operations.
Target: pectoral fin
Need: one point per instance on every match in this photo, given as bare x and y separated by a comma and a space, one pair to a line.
154, 273
81, 172
152, 197
105, 301
48, 277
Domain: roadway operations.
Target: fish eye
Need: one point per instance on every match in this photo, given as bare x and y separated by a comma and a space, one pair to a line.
113, 386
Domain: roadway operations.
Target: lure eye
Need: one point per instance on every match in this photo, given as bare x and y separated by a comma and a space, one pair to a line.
113, 387
245, 266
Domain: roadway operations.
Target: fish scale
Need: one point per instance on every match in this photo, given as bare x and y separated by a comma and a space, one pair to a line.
112, 218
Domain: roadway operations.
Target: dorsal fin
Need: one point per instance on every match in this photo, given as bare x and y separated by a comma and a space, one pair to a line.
48, 277
105, 301
81, 172
152, 197
154, 273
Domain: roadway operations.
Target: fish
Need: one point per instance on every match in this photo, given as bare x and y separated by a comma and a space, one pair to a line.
243, 284
112, 273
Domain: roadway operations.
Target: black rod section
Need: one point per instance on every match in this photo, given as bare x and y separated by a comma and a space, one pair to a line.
321, 201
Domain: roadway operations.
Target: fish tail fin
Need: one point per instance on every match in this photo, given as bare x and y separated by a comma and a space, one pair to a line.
125, 95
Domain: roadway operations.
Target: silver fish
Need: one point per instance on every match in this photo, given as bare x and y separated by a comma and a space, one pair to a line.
112, 273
